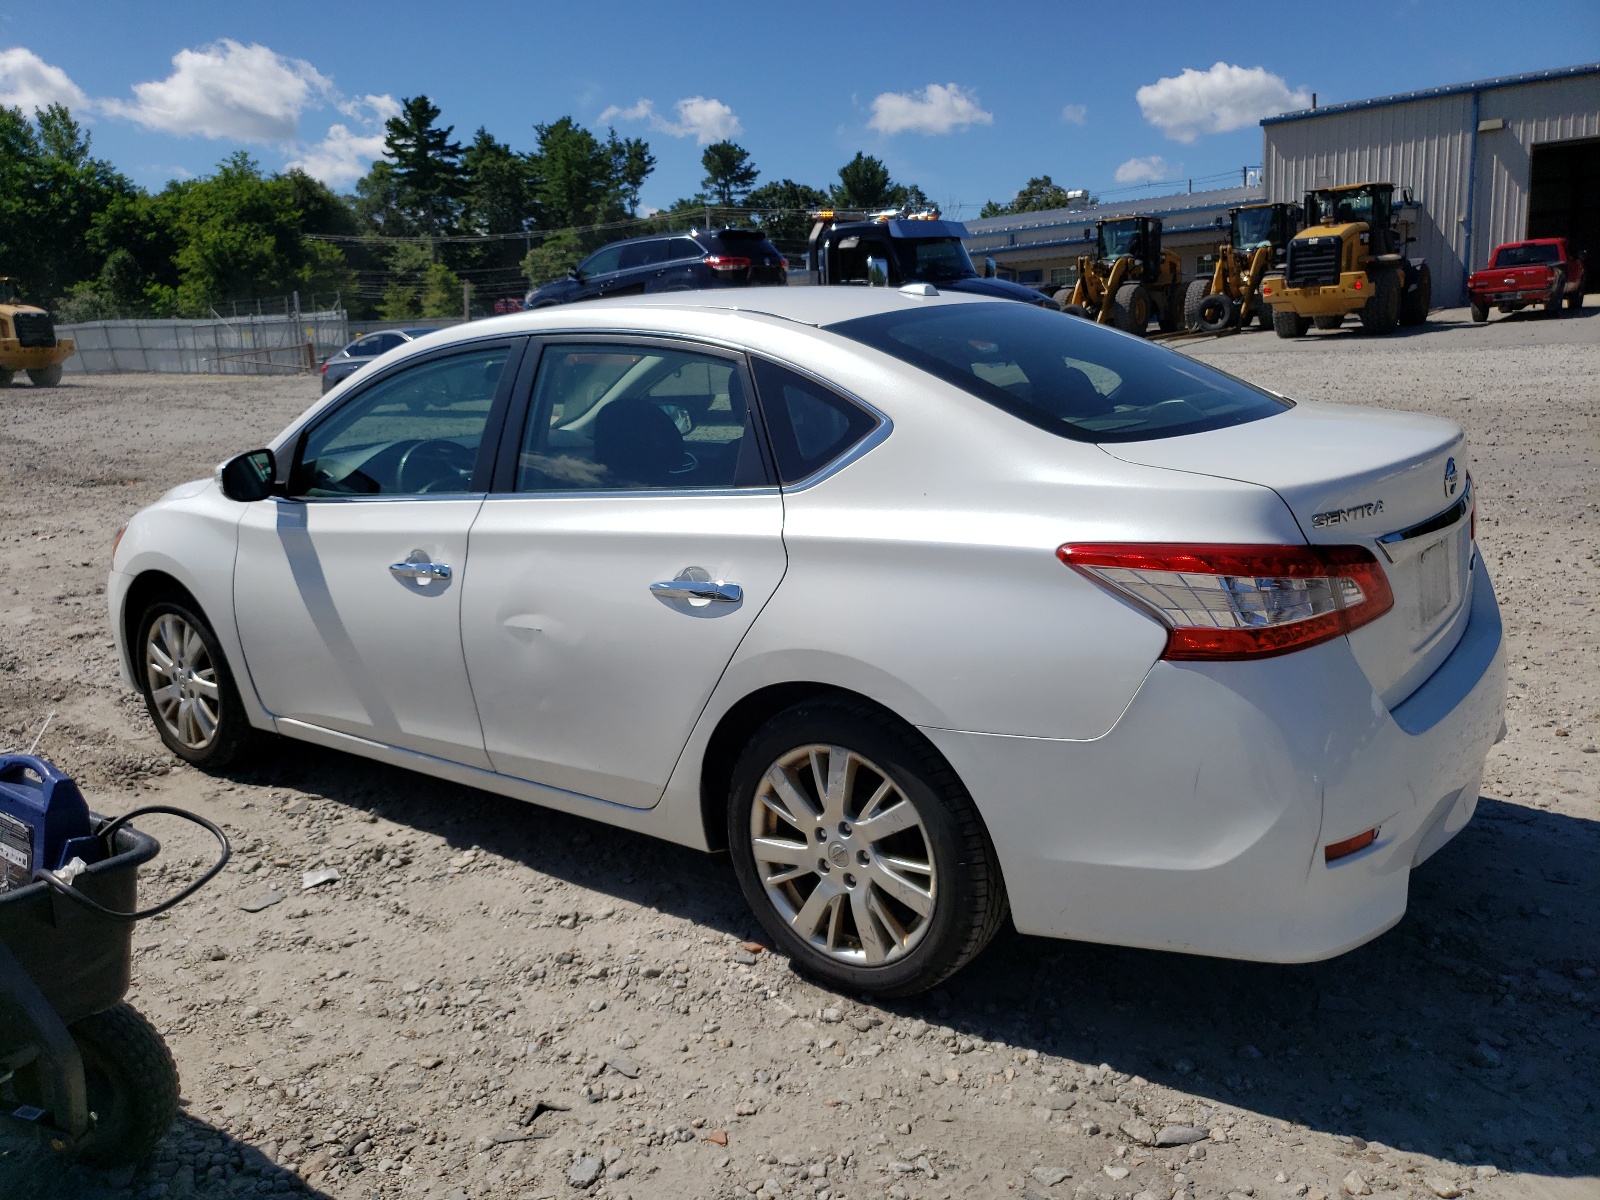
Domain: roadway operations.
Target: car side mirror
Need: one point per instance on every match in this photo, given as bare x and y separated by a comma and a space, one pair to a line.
575, 275
249, 477
990, 270
877, 272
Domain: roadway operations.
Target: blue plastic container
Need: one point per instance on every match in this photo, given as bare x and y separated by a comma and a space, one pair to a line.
44, 821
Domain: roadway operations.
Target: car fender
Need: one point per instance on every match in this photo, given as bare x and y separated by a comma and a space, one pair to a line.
192, 535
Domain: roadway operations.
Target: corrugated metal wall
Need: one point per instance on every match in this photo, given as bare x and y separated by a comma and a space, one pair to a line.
1536, 113
1427, 145
1422, 144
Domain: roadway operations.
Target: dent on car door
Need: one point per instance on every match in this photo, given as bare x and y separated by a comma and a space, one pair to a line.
347, 592
632, 538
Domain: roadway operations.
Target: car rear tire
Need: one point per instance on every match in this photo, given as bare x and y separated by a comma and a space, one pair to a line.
1575, 300
1381, 312
188, 689
860, 851
1552, 306
1287, 323
1130, 311
1480, 313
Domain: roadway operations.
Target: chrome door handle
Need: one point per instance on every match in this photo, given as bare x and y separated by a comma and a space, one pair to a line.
695, 583
411, 569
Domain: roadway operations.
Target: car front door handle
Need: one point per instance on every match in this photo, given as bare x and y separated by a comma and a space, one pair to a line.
419, 569
695, 583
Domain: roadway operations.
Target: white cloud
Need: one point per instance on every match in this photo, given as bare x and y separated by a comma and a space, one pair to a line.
1143, 170
703, 118
341, 158
369, 108
29, 83
1074, 114
228, 90
1226, 97
937, 108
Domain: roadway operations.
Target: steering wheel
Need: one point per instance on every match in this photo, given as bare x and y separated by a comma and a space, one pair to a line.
435, 465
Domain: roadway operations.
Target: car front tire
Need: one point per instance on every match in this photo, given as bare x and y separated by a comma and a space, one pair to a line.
188, 689
860, 851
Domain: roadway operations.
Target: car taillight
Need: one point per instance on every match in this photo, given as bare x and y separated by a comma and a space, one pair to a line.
727, 262
325, 367
1230, 602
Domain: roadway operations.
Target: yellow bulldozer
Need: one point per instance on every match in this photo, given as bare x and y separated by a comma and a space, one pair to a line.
1129, 279
28, 340
1350, 258
1230, 298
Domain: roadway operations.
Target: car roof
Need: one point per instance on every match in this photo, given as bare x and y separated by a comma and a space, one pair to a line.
802, 304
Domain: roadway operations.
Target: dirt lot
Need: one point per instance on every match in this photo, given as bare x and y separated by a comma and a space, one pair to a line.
396, 1033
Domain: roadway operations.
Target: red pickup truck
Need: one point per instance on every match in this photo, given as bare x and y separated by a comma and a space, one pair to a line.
1539, 271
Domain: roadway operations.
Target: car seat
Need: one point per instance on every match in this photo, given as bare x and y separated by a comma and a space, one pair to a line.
637, 443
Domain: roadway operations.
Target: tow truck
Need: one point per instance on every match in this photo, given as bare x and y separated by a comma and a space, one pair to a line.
900, 246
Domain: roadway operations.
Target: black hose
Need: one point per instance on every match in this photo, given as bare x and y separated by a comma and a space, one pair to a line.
109, 831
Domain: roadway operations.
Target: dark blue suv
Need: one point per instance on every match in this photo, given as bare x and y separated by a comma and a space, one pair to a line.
669, 262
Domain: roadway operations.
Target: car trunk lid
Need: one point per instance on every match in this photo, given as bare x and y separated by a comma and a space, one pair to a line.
1394, 483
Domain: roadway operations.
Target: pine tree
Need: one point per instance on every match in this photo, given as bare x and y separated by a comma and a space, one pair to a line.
729, 174
427, 167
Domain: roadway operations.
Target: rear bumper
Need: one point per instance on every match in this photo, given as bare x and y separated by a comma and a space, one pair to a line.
14, 356
1350, 293
1197, 823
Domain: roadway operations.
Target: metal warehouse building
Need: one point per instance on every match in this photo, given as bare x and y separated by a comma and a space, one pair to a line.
1488, 162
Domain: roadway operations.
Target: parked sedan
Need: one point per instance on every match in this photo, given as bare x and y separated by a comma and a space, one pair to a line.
674, 262
362, 351
925, 607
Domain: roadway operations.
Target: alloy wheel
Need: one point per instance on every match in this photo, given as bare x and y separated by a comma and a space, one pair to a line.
183, 681
843, 855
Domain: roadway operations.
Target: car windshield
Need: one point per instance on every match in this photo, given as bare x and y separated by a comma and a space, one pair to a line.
1252, 227
930, 260
1064, 374
1526, 256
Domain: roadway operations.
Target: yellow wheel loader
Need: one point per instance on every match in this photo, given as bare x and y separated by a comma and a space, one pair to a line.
28, 340
1231, 296
1129, 279
1350, 258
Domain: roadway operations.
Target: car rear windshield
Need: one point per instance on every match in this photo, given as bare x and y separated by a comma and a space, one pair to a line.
741, 241
1063, 373
1527, 256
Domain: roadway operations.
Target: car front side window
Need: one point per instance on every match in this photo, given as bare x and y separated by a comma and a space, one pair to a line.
602, 262
608, 418
416, 432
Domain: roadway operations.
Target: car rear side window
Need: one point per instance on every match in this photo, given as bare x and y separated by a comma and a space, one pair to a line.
1062, 373
811, 425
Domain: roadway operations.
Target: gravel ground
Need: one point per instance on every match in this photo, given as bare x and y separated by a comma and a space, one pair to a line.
498, 1001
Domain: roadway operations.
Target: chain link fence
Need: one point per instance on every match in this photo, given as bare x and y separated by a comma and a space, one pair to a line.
248, 344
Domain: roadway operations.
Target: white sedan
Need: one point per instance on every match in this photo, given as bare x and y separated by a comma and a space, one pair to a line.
926, 608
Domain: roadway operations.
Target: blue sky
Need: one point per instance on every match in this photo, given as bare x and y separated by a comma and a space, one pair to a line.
966, 100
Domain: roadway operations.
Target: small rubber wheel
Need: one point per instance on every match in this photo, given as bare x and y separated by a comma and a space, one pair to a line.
188, 689
860, 851
1217, 312
1480, 313
132, 1086
1287, 323
46, 376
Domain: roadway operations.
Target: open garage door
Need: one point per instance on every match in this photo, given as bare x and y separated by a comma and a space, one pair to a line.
1564, 198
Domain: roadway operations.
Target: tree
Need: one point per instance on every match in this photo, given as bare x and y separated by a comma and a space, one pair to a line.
419, 286
427, 166
1039, 194
553, 257
498, 195
729, 174
575, 177
784, 211
631, 165
864, 183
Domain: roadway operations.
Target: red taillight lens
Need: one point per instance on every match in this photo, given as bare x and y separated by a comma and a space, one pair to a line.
1229, 602
727, 262
324, 370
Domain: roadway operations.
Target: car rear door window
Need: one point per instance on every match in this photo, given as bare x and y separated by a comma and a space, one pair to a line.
416, 432
679, 249
811, 425
609, 417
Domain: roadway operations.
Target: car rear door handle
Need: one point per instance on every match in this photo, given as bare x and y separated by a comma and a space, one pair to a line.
695, 583
419, 569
